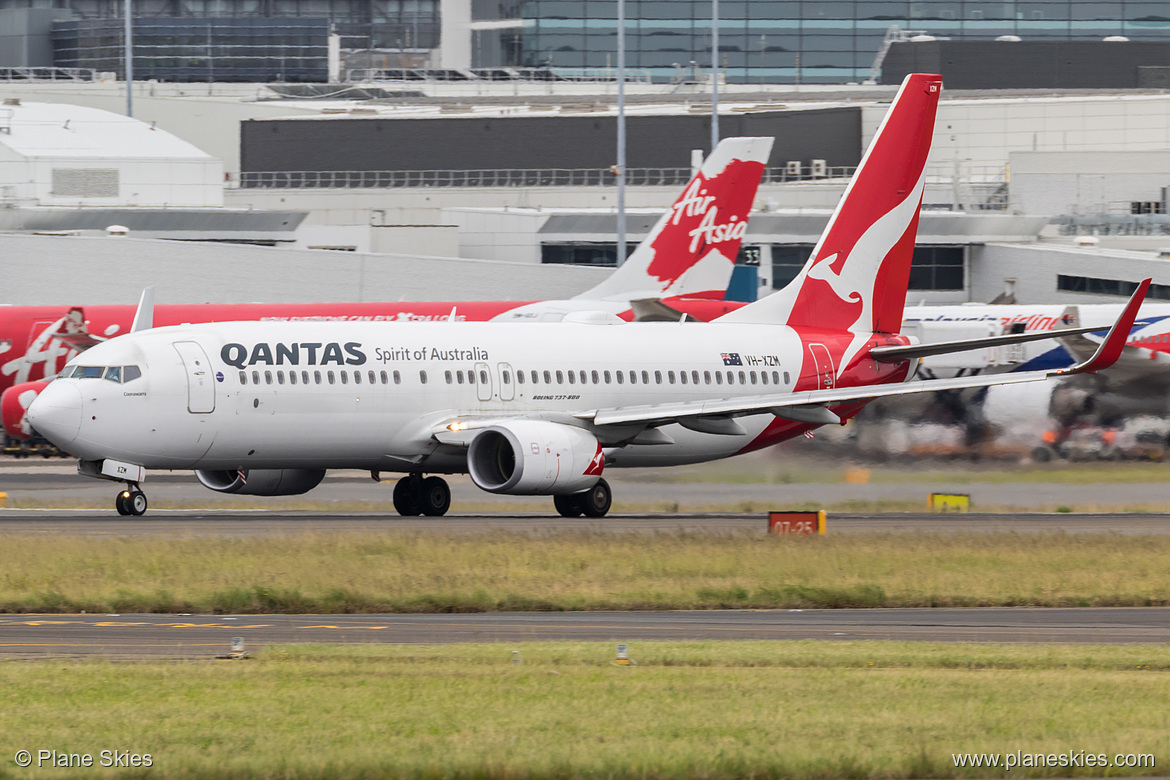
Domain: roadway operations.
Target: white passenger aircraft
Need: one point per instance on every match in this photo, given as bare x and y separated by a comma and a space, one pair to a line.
266, 408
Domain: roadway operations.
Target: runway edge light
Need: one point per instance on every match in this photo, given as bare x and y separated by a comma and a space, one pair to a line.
796, 523
237, 652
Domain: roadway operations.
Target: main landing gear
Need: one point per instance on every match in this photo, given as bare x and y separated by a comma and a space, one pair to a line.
594, 502
414, 495
131, 501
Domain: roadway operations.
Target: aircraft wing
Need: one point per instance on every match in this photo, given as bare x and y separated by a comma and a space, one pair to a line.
809, 406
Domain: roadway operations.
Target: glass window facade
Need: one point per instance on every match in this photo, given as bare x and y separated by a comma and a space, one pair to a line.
806, 41
932, 268
189, 49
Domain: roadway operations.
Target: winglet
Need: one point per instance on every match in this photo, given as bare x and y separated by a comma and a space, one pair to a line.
1110, 349
144, 317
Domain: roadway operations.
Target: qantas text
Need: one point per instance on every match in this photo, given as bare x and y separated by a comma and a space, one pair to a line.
312, 353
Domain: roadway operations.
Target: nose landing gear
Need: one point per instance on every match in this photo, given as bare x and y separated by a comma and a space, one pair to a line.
131, 501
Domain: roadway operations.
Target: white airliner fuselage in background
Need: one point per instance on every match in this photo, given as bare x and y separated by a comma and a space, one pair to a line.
267, 408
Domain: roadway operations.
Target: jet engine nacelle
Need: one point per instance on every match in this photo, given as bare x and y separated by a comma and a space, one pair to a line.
262, 482
534, 458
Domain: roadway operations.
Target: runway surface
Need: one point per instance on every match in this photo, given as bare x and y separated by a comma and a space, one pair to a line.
204, 636
256, 523
710, 489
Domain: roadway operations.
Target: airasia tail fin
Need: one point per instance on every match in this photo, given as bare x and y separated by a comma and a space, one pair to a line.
857, 275
691, 249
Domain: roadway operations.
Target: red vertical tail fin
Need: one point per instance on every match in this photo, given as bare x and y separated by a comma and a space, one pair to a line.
857, 275
691, 250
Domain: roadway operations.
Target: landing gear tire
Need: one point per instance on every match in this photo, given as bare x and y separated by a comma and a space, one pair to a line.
131, 502
434, 497
406, 496
595, 501
571, 505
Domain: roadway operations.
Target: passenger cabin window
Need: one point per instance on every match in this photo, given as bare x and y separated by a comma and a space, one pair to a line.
742, 378
596, 379
483, 377
292, 377
670, 377
560, 378
633, 377
519, 377
605, 375
243, 377
584, 380
706, 377
447, 375
657, 377
422, 376
332, 379
317, 377
620, 377
763, 376
572, 378
506, 377
777, 380
267, 377
719, 377
397, 378
373, 377
695, 378
682, 377
357, 377
255, 377
280, 377
344, 377
645, 377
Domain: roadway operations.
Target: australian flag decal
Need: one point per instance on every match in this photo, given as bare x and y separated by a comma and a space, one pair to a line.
731, 359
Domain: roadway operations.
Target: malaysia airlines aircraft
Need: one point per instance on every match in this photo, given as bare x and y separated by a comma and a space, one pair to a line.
685, 261
267, 408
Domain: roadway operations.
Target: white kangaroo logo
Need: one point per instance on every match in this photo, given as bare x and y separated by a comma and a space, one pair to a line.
861, 267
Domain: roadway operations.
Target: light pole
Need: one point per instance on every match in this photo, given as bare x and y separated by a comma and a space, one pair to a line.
621, 132
714, 74
129, 57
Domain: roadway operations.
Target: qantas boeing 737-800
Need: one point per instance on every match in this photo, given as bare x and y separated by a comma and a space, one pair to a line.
686, 261
267, 408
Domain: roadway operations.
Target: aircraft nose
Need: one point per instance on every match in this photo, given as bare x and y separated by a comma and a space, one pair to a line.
56, 413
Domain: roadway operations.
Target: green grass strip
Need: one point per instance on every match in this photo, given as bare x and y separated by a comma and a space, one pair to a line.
711, 710
499, 571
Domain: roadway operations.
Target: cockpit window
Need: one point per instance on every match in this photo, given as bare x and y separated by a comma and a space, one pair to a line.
117, 374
